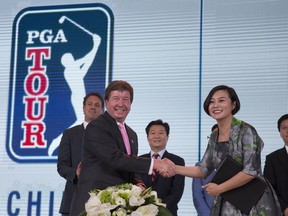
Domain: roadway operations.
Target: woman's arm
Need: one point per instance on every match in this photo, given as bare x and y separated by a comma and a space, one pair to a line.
236, 181
189, 171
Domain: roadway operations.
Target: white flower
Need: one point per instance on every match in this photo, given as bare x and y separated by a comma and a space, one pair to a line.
136, 213
157, 200
147, 210
92, 205
120, 201
124, 200
136, 191
154, 193
136, 201
119, 212
103, 212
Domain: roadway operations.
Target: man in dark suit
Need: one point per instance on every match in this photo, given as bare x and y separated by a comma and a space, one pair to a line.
276, 166
170, 190
71, 147
105, 159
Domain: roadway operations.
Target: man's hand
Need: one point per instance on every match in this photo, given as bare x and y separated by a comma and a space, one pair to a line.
286, 212
165, 167
78, 170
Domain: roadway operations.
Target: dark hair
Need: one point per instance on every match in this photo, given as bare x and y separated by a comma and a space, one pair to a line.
214, 127
280, 120
232, 95
119, 85
158, 122
94, 94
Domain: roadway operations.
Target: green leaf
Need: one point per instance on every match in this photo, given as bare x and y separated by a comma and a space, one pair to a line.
83, 213
163, 211
149, 200
146, 192
126, 186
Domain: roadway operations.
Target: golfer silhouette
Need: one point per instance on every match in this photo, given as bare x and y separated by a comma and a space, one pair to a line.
74, 73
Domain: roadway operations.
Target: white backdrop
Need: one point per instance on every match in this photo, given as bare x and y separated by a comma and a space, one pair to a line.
160, 49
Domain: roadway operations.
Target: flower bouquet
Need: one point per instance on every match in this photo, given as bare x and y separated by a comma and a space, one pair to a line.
124, 200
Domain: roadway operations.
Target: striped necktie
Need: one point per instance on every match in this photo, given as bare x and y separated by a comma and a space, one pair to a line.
155, 156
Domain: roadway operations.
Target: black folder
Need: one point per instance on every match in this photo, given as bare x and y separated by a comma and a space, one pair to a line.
244, 197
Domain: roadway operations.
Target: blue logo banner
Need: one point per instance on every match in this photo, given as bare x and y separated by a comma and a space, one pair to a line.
59, 54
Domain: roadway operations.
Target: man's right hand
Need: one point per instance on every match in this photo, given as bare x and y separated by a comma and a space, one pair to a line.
78, 170
286, 212
165, 167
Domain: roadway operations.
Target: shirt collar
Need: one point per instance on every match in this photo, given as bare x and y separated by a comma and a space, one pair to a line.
118, 123
161, 153
85, 123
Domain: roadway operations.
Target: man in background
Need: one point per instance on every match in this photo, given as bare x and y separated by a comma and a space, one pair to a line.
276, 166
170, 190
70, 149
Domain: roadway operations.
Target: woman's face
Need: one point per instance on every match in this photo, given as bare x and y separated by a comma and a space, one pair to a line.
221, 106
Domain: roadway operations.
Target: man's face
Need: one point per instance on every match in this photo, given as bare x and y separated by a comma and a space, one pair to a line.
284, 131
118, 105
157, 137
92, 108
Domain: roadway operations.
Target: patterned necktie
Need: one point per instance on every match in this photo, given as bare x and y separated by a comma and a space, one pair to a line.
125, 138
155, 156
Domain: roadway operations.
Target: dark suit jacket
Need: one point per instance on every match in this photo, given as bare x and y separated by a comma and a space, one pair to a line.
170, 190
276, 171
69, 156
104, 160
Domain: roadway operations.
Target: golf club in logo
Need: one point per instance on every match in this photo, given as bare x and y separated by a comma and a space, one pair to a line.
60, 54
63, 18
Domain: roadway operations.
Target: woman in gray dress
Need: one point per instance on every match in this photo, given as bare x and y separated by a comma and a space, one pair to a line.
239, 140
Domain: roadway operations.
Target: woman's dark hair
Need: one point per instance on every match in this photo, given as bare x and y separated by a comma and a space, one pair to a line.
214, 127
119, 85
232, 95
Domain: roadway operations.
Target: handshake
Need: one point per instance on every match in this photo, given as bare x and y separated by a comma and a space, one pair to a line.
165, 167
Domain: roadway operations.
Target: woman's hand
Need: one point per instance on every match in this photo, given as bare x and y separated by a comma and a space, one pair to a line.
212, 189
165, 167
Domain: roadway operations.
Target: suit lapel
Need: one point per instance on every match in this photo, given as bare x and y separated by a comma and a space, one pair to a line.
116, 131
283, 157
165, 155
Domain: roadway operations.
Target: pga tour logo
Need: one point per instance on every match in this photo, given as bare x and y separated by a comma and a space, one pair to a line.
59, 54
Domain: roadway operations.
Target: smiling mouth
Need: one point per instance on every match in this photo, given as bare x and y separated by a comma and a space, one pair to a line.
216, 111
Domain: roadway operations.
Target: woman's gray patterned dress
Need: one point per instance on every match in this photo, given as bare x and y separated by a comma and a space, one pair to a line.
244, 146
